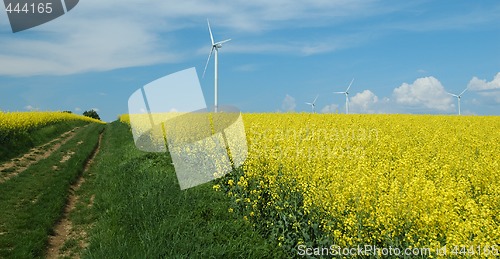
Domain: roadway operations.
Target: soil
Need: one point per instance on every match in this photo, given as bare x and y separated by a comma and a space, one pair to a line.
63, 230
17, 165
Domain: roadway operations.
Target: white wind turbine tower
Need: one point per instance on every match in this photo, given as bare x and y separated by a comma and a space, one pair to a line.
458, 98
215, 46
346, 97
313, 104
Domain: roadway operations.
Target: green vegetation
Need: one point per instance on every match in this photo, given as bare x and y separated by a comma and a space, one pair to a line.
23, 141
140, 212
129, 206
33, 201
92, 114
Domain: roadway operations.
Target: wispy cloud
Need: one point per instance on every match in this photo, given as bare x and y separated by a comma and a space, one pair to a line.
106, 35
92, 45
302, 47
101, 36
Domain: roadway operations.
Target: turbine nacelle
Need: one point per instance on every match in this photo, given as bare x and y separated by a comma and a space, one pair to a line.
218, 45
313, 104
215, 46
459, 97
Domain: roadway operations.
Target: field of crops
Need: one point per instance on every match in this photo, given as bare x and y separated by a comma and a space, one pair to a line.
386, 180
42, 154
318, 180
16, 122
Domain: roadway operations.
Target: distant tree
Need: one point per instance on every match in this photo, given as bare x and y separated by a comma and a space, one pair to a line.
92, 114
67, 112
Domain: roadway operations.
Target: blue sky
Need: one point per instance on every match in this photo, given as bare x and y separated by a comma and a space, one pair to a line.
404, 55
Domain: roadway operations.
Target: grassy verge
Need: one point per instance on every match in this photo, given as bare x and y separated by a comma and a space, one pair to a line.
32, 202
139, 210
22, 142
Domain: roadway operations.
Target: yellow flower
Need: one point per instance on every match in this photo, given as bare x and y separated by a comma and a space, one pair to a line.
415, 179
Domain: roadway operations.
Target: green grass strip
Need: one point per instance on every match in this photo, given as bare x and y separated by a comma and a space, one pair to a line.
140, 211
22, 142
32, 202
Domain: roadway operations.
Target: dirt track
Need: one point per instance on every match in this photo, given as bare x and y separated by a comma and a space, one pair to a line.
17, 165
63, 230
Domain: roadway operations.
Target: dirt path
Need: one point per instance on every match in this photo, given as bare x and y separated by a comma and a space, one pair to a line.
63, 230
17, 165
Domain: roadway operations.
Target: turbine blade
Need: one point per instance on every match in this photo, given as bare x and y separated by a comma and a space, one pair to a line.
453, 94
339, 92
222, 42
350, 85
208, 60
315, 99
463, 91
309, 103
210, 30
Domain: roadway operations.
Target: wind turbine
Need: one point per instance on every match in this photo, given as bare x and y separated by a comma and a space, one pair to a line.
215, 46
346, 97
313, 104
458, 98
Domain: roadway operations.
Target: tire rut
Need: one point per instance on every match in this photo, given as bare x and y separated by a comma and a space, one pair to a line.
18, 165
63, 230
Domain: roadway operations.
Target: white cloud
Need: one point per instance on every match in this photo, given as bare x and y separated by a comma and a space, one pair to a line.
91, 45
487, 89
477, 84
29, 107
288, 104
106, 35
332, 108
426, 92
77, 109
364, 102
94, 36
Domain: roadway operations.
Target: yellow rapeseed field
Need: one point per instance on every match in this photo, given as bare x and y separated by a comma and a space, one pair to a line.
401, 181
386, 180
15, 122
